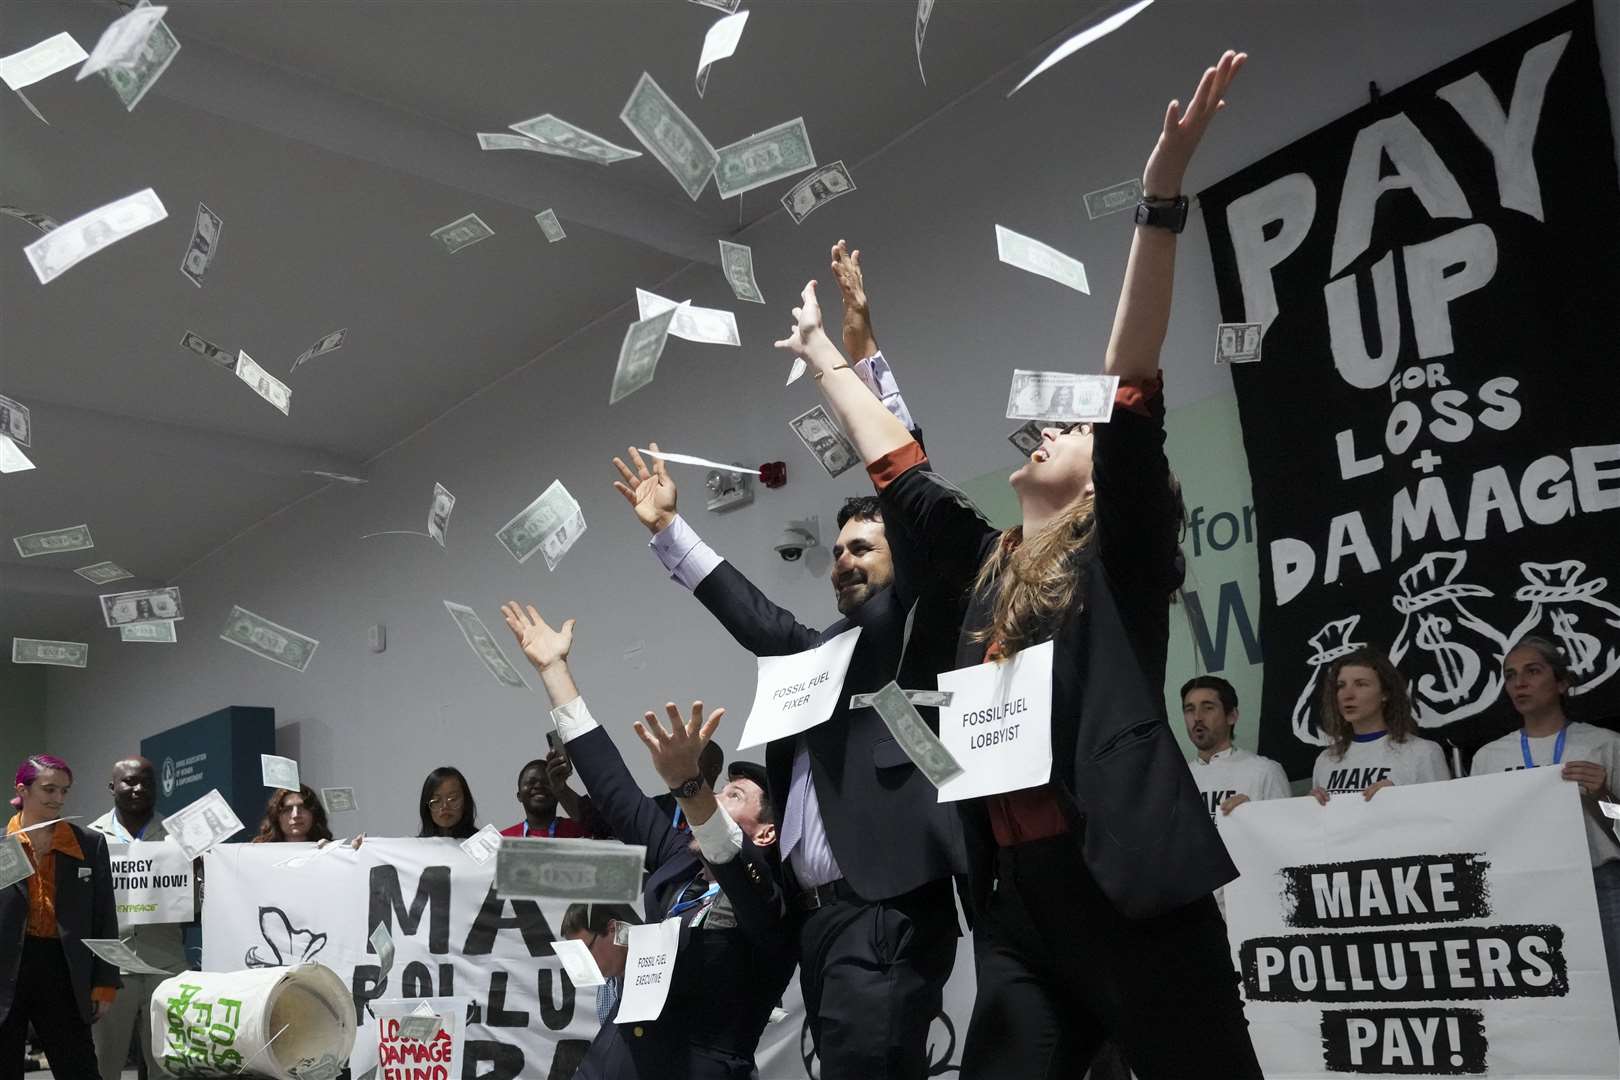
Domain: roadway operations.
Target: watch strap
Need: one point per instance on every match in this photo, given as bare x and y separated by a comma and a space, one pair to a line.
687, 789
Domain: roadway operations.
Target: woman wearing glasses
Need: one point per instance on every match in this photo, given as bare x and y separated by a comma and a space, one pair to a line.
447, 807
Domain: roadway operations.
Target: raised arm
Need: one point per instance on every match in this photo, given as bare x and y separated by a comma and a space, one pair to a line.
859, 341
873, 429
1143, 315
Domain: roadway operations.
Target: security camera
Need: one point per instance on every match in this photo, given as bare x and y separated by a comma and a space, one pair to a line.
797, 538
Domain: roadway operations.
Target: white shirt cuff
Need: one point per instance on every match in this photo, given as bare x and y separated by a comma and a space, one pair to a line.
684, 554
573, 719
879, 378
719, 838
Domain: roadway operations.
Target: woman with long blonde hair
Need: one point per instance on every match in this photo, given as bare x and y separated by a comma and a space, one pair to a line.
1092, 891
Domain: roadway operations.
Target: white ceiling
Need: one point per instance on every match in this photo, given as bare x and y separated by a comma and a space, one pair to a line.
332, 136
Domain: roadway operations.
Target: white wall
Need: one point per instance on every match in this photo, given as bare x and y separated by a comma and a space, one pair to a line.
953, 320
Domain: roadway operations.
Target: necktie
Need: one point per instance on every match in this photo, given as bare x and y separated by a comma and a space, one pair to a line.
607, 996
798, 788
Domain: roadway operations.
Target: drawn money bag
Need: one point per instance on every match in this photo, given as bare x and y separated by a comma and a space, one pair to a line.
1566, 609
1455, 666
1330, 643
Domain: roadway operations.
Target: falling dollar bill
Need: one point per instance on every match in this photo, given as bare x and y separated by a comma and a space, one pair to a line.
54, 541
102, 573
824, 440
133, 75
462, 232
817, 190
1061, 397
63, 248
921, 745
439, 512
43, 222
549, 225
551, 524
719, 5
202, 824
581, 871
342, 478
578, 963
15, 865
263, 383
1238, 343
56, 653
1082, 39
159, 632
925, 9
422, 1024
706, 326
643, 344
141, 605
279, 772
484, 645
15, 422
122, 955
207, 350
1030, 254
669, 136
738, 262
41, 61
272, 641
719, 43
930, 699
200, 251
1111, 200
330, 343
557, 136
340, 800
121, 39
482, 845
500, 140
765, 158
1027, 438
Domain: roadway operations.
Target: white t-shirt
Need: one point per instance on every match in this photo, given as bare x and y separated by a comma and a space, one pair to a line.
1582, 742
1415, 761
1235, 771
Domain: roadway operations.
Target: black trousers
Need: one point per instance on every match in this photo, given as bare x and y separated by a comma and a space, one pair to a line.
45, 998
1059, 970
873, 975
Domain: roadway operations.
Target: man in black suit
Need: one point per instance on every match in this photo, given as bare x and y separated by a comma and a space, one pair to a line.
869, 851
735, 955
48, 978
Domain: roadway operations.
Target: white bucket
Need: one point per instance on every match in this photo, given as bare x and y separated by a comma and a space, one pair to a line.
293, 1023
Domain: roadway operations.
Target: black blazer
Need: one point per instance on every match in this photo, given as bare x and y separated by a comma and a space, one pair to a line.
887, 828
1140, 827
84, 909
727, 981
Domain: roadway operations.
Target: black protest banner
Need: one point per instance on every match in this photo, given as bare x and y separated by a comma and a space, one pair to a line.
1430, 430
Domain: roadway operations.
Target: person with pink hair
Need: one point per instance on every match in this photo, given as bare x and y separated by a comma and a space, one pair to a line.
66, 898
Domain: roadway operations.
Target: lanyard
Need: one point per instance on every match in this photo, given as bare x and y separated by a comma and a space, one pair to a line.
551, 829
675, 822
687, 905
1558, 747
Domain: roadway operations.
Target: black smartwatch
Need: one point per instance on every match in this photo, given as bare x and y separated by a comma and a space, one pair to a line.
688, 789
1163, 213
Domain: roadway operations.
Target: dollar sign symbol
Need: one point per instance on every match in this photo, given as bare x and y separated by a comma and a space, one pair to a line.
1580, 649
1457, 664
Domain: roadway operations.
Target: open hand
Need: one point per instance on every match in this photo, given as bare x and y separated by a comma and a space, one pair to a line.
1183, 130
675, 752
846, 267
540, 643
650, 492
806, 324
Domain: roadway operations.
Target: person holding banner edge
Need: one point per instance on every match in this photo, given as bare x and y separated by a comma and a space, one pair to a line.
1093, 891
1537, 679
735, 955
1367, 713
134, 817
869, 853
